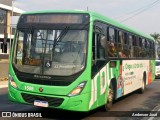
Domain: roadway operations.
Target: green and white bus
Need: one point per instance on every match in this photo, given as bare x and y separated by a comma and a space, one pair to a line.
77, 60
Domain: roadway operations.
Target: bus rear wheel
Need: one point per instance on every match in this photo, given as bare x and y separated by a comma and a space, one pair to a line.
142, 89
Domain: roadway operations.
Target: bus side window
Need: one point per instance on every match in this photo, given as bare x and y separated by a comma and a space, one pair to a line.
136, 47
152, 49
93, 47
143, 47
140, 47
125, 45
130, 37
147, 49
112, 47
98, 52
99, 47
120, 45
102, 47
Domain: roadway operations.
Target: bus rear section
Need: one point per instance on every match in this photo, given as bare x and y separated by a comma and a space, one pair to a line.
157, 69
115, 75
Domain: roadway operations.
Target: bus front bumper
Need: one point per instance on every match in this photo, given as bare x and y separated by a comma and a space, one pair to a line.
74, 103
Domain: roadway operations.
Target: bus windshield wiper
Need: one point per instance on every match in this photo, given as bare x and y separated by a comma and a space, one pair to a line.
61, 36
56, 41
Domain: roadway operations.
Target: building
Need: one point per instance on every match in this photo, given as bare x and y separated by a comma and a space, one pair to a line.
8, 15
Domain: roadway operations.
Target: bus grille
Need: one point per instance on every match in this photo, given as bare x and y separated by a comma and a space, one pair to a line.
44, 82
52, 101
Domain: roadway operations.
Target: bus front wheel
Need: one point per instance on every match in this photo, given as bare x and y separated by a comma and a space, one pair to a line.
110, 99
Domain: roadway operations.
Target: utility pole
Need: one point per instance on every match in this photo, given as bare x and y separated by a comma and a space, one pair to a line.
11, 26
4, 31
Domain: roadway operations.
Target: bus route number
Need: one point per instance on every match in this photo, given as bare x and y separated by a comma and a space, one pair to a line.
29, 88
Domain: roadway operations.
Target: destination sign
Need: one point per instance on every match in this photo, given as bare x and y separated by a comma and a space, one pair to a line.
56, 18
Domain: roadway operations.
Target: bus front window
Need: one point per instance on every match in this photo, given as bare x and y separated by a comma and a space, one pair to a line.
50, 52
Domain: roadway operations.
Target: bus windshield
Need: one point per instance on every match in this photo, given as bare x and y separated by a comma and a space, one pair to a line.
50, 52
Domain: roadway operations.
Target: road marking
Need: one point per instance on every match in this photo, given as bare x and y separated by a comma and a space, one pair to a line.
151, 118
156, 110
3, 86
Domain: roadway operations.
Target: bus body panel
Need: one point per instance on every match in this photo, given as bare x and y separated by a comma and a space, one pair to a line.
51, 90
126, 73
77, 103
127, 77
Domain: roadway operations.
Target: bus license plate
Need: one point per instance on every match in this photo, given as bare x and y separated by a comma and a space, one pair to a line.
41, 103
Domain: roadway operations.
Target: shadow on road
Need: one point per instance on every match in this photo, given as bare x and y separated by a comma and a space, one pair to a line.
63, 114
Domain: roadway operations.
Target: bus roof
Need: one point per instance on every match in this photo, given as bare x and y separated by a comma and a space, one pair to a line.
98, 17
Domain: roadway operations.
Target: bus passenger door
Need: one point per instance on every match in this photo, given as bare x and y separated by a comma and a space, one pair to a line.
99, 69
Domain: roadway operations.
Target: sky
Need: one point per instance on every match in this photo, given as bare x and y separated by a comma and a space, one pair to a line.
143, 15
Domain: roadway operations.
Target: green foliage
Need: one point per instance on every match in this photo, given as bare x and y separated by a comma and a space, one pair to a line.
156, 36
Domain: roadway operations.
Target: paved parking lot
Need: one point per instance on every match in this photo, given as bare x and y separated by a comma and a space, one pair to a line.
4, 68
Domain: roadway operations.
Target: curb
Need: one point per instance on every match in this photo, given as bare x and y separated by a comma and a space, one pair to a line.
3, 84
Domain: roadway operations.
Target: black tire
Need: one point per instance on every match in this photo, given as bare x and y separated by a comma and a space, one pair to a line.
110, 99
142, 89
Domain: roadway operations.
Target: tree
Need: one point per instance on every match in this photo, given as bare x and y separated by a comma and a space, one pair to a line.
156, 36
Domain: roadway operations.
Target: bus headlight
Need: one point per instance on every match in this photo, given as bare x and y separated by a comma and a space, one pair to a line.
12, 82
77, 90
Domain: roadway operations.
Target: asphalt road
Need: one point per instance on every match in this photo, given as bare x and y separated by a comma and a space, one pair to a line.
133, 102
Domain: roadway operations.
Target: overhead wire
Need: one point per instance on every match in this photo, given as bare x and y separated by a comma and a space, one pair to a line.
140, 10
131, 12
